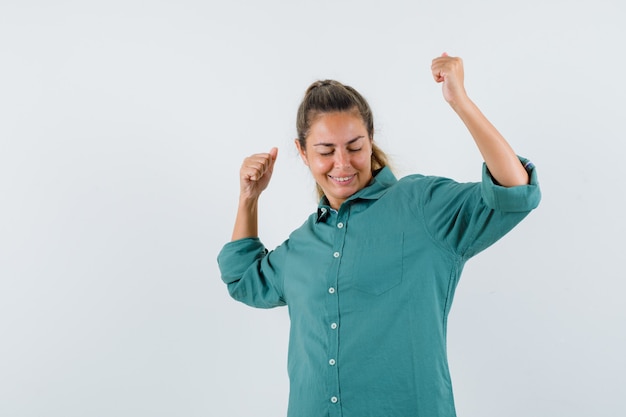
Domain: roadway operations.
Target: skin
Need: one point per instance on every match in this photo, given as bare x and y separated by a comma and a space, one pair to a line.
340, 169
500, 158
339, 154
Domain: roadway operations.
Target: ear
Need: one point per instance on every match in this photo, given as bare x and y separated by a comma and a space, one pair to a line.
302, 152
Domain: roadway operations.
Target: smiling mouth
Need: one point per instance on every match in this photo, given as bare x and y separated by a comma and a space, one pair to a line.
342, 180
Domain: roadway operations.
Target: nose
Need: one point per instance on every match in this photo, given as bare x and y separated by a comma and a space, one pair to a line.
342, 158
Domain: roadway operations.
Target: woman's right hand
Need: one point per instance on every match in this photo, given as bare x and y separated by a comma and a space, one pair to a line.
255, 174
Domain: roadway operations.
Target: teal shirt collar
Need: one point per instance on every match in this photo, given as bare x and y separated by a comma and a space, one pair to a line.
378, 186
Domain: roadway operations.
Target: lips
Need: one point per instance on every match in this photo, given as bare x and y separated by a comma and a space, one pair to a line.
342, 180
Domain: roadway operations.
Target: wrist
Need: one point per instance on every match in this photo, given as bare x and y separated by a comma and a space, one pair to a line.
248, 202
462, 104
460, 101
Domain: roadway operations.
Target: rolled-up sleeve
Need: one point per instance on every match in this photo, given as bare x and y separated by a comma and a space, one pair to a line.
251, 273
466, 218
520, 198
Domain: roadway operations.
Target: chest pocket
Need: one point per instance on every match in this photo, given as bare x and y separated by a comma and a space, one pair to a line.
378, 264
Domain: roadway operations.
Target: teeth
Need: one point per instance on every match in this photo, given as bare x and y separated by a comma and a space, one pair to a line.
342, 179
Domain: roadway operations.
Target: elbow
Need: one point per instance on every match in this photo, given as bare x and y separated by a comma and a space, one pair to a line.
515, 180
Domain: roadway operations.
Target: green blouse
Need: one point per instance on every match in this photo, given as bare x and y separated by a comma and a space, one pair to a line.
369, 289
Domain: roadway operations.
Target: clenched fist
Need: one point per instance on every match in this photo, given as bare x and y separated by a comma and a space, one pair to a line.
255, 174
448, 70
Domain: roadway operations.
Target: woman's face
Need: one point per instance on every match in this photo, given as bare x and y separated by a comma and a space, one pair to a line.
339, 154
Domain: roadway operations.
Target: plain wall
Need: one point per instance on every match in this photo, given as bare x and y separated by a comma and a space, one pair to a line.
122, 128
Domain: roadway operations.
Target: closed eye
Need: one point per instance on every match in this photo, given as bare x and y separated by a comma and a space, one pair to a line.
356, 141
333, 151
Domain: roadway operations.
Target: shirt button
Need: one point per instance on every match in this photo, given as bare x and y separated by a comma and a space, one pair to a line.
336, 254
340, 225
331, 362
333, 326
334, 400
331, 290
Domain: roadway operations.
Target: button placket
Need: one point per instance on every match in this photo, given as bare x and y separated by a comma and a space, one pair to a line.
333, 303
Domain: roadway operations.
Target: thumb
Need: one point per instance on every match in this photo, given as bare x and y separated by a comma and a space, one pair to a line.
273, 155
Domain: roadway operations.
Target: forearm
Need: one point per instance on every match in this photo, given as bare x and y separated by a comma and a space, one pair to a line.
246, 222
254, 177
500, 158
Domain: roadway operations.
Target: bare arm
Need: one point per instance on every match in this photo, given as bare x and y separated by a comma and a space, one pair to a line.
500, 158
254, 177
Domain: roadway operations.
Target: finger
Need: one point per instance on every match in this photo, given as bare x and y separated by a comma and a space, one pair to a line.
438, 72
436, 69
255, 166
255, 171
250, 173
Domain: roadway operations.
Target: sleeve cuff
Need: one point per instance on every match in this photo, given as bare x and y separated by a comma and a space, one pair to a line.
512, 199
237, 256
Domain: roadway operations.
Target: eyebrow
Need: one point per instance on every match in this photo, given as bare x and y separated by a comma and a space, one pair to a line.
332, 144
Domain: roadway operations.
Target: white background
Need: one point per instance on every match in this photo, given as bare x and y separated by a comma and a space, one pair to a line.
122, 128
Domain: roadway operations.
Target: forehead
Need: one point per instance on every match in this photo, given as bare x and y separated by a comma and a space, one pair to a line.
337, 127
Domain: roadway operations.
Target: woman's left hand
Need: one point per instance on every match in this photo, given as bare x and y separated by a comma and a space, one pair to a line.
449, 71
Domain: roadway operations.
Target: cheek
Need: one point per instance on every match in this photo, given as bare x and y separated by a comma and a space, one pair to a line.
364, 161
320, 166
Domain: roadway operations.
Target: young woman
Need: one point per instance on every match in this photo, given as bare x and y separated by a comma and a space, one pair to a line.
369, 278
